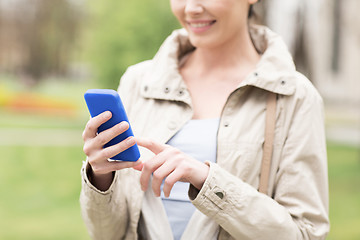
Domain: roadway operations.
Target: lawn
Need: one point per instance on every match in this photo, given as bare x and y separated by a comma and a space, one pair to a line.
40, 164
39, 193
344, 178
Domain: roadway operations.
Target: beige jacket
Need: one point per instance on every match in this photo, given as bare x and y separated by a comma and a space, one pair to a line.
228, 205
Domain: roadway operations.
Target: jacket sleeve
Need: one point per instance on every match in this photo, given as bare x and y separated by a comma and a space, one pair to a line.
104, 213
298, 208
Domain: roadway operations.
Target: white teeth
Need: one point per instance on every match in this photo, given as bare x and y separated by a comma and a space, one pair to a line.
199, 25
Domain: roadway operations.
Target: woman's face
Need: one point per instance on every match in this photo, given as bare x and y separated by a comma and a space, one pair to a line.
211, 23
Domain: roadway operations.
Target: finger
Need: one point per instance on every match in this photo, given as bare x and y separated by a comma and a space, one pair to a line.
160, 174
107, 135
149, 167
94, 123
114, 150
118, 165
106, 167
139, 167
170, 180
98, 142
150, 144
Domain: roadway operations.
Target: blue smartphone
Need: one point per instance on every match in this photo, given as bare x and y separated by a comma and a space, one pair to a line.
101, 100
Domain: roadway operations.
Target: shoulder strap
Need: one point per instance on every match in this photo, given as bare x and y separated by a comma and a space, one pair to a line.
269, 141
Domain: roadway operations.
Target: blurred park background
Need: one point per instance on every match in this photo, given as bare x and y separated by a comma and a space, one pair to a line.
52, 51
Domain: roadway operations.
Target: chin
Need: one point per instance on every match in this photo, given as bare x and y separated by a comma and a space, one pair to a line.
204, 41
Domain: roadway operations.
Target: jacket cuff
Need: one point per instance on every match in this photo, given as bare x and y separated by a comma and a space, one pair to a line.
217, 193
91, 192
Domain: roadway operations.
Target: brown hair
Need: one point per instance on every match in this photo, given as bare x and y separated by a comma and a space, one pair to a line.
251, 11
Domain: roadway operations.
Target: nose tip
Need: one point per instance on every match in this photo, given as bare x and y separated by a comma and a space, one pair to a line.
193, 7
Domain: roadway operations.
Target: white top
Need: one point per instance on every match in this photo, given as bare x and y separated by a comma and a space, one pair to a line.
198, 139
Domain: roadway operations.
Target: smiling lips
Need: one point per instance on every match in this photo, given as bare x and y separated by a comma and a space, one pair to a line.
200, 26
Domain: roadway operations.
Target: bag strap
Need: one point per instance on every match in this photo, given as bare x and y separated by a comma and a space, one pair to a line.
269, 141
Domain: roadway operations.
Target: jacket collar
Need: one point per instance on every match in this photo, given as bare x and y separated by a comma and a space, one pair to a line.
273, 72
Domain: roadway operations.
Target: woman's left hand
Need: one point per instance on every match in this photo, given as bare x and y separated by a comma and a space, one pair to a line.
170, 164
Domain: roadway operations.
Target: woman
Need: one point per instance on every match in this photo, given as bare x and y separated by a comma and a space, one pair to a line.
202, 102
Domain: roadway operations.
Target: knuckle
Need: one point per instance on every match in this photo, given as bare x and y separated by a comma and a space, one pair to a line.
175, 151
86, 149
92, 163
168, 182
148, 166
101, 139
106, 153
151, 143
84, 135
95, 168
90, 126
185, 168
157, 176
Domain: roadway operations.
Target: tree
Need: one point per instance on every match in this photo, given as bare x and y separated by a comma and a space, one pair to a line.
40, 34
51, 38
122, 33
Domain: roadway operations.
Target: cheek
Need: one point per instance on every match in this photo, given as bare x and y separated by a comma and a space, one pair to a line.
177, 9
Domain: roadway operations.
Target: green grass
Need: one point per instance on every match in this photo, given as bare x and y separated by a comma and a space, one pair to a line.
40, 185
344, 179
40, 190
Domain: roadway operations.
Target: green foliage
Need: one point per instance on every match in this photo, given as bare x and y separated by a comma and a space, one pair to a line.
122, 33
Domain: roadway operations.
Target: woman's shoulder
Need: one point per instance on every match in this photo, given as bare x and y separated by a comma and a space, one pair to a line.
304, 88
134, 74
277, 67
138, 69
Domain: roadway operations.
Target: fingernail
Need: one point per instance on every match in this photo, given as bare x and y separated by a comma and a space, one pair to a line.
122, 125
107, 114
130, 141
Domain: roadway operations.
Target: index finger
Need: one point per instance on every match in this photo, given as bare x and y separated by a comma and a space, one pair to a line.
150, 144
94, 123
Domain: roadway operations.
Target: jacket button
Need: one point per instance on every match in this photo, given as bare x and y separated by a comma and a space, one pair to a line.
226, 124
172, 125
283, 82
181, 92
146, 88
220, 195
166, 90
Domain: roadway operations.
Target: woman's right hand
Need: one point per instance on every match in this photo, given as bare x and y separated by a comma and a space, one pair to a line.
102, 171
